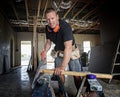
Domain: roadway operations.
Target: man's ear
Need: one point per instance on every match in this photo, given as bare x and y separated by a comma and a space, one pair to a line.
57, 17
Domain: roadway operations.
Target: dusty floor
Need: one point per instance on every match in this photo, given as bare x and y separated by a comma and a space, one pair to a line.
17, 83
112, 89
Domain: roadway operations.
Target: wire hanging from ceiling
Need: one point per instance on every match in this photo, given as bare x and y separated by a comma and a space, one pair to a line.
64, 5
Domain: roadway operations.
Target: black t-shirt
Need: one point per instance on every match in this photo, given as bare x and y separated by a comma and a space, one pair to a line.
64, 34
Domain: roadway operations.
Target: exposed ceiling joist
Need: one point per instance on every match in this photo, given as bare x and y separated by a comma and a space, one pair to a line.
59, 5
82, 9
70, 9
89, 14
14, 9
44, 10
39, 5
80, 14
26, 6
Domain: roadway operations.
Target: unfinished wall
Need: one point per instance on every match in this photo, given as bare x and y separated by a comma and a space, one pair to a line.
102, 56
6, 45
94, 39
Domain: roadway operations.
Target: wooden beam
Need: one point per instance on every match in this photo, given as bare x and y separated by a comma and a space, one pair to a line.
89, 14
72, 73
94, 17
14, 9
26, 6
44, 10
94, 24
70, 9
35, 43
59, 5
39, 4
81, 9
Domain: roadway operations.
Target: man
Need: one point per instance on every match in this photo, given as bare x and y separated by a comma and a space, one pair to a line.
60, 33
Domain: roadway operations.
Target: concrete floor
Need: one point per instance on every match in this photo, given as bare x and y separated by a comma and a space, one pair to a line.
17, 83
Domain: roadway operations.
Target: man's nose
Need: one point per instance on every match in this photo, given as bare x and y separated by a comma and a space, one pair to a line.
50, 21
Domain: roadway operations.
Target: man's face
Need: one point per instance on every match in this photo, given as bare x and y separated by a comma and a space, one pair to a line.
52, 19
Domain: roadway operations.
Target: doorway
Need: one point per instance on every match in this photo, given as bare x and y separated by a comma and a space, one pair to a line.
86, 46
25, 52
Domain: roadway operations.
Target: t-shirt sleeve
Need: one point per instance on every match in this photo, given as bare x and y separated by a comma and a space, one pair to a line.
67, 32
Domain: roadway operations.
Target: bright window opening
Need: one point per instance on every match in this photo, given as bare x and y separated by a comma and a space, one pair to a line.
25, 52
86, 46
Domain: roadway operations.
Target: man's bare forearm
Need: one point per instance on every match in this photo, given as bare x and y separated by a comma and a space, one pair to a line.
67, 54
47, 46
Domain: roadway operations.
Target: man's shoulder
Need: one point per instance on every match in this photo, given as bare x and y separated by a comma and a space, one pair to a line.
63, 23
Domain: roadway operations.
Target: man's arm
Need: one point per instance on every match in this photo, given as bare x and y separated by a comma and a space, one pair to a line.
47, 45
67, 53
66, 58
46, 48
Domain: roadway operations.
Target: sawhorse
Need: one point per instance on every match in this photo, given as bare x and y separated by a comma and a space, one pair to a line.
82, 74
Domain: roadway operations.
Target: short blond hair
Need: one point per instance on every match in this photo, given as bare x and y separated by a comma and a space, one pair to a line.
48, 10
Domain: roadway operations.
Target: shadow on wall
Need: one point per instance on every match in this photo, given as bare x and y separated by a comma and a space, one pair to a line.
101, 58
4, 64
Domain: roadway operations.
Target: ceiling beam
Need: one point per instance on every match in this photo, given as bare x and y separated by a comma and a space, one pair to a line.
70, 9
26, 6
87, 31
35, 43
44, 10
59, 5
89, 14
82, 9
39, 5
94, 17
14, 10
94, 24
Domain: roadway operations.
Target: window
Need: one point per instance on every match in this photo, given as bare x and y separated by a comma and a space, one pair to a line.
86, 46
25, 52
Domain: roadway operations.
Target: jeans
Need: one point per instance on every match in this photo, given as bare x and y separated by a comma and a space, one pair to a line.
74, 65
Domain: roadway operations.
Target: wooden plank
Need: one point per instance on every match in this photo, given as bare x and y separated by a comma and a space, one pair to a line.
98, 75
35, 43
70, 9
26, 6
39, 5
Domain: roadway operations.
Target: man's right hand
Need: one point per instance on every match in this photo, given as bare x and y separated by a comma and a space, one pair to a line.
43, 55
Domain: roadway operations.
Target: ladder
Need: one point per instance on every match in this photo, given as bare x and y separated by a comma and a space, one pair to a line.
116, 63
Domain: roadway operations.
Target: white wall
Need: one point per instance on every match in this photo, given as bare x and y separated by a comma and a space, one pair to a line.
94, 40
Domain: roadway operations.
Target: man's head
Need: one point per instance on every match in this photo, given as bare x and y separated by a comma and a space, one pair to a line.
52, 17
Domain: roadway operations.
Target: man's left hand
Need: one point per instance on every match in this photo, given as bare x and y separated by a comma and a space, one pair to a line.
59, 70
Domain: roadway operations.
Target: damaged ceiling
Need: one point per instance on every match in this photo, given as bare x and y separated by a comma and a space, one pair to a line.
82, 15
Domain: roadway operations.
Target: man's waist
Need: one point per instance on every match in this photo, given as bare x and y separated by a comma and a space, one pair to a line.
74, 55
61, 53
73, 48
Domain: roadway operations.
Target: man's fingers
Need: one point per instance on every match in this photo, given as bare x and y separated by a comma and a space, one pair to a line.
58, 71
